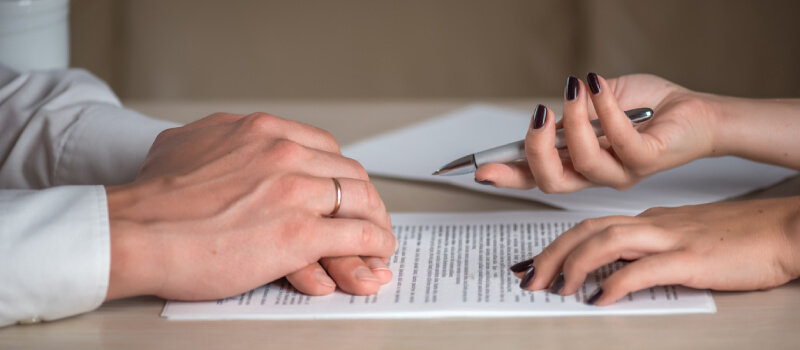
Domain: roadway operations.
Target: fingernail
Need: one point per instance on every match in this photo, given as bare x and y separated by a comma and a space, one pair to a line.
376, 264
528, 278
572, 88
521, 266
484, 182
362, 273
595, 296
323, 278
594, 85
557, 284
539, 117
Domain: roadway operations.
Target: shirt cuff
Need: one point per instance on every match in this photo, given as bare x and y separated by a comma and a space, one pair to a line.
54, 252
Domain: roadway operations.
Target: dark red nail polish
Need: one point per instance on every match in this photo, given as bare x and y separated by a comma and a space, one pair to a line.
594, 85
521, 266
539, 117
595, 296
528, 279
484, 182
572, 88
557, 284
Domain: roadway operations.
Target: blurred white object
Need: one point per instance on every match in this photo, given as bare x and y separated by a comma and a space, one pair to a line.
34, 34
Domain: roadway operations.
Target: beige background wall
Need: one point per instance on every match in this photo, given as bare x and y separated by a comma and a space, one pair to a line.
203, 49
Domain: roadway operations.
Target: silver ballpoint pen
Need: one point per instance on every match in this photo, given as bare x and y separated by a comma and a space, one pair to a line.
516, 150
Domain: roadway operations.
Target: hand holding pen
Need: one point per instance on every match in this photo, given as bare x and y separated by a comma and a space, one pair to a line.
676, 135
515, 151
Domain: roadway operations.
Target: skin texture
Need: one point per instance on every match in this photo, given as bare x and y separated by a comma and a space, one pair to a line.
745, 245
231, 202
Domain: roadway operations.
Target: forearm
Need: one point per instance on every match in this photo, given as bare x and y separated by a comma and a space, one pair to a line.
760, 130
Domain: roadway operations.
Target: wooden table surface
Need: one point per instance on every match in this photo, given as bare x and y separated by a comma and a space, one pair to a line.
752, 320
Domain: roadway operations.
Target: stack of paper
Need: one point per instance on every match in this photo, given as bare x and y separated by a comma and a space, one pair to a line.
454, 265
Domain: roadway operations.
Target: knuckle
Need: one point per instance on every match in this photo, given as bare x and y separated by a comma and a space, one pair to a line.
549, 252
571, 265
638, 169
330, 141
622, 186
166, 134
218, 115
586, 165
546, 187
654, 211
361, 173
590, 224
550, 187
372, 200
287, 150
261, 122
614, 233
358, 171
169, 181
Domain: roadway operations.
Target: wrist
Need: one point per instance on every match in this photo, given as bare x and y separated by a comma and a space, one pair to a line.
133, 268
715, 110
698, 115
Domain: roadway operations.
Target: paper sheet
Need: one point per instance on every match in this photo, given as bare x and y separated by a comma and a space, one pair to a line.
415, 152
454, 265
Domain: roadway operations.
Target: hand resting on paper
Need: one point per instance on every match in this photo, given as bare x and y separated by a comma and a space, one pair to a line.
726, 246
231, 202
746, 245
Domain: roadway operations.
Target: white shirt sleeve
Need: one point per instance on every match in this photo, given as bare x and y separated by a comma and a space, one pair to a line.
63, 134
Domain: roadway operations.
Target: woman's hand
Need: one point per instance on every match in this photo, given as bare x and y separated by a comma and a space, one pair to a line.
681, 131
231, 202
723, 246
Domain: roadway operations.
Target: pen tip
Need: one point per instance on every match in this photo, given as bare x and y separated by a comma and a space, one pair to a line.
435, 172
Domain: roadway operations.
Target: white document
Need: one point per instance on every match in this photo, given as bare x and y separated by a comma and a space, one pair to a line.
417, 151
454, 265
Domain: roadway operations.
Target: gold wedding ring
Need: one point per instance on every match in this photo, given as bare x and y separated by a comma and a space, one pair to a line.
338, 197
